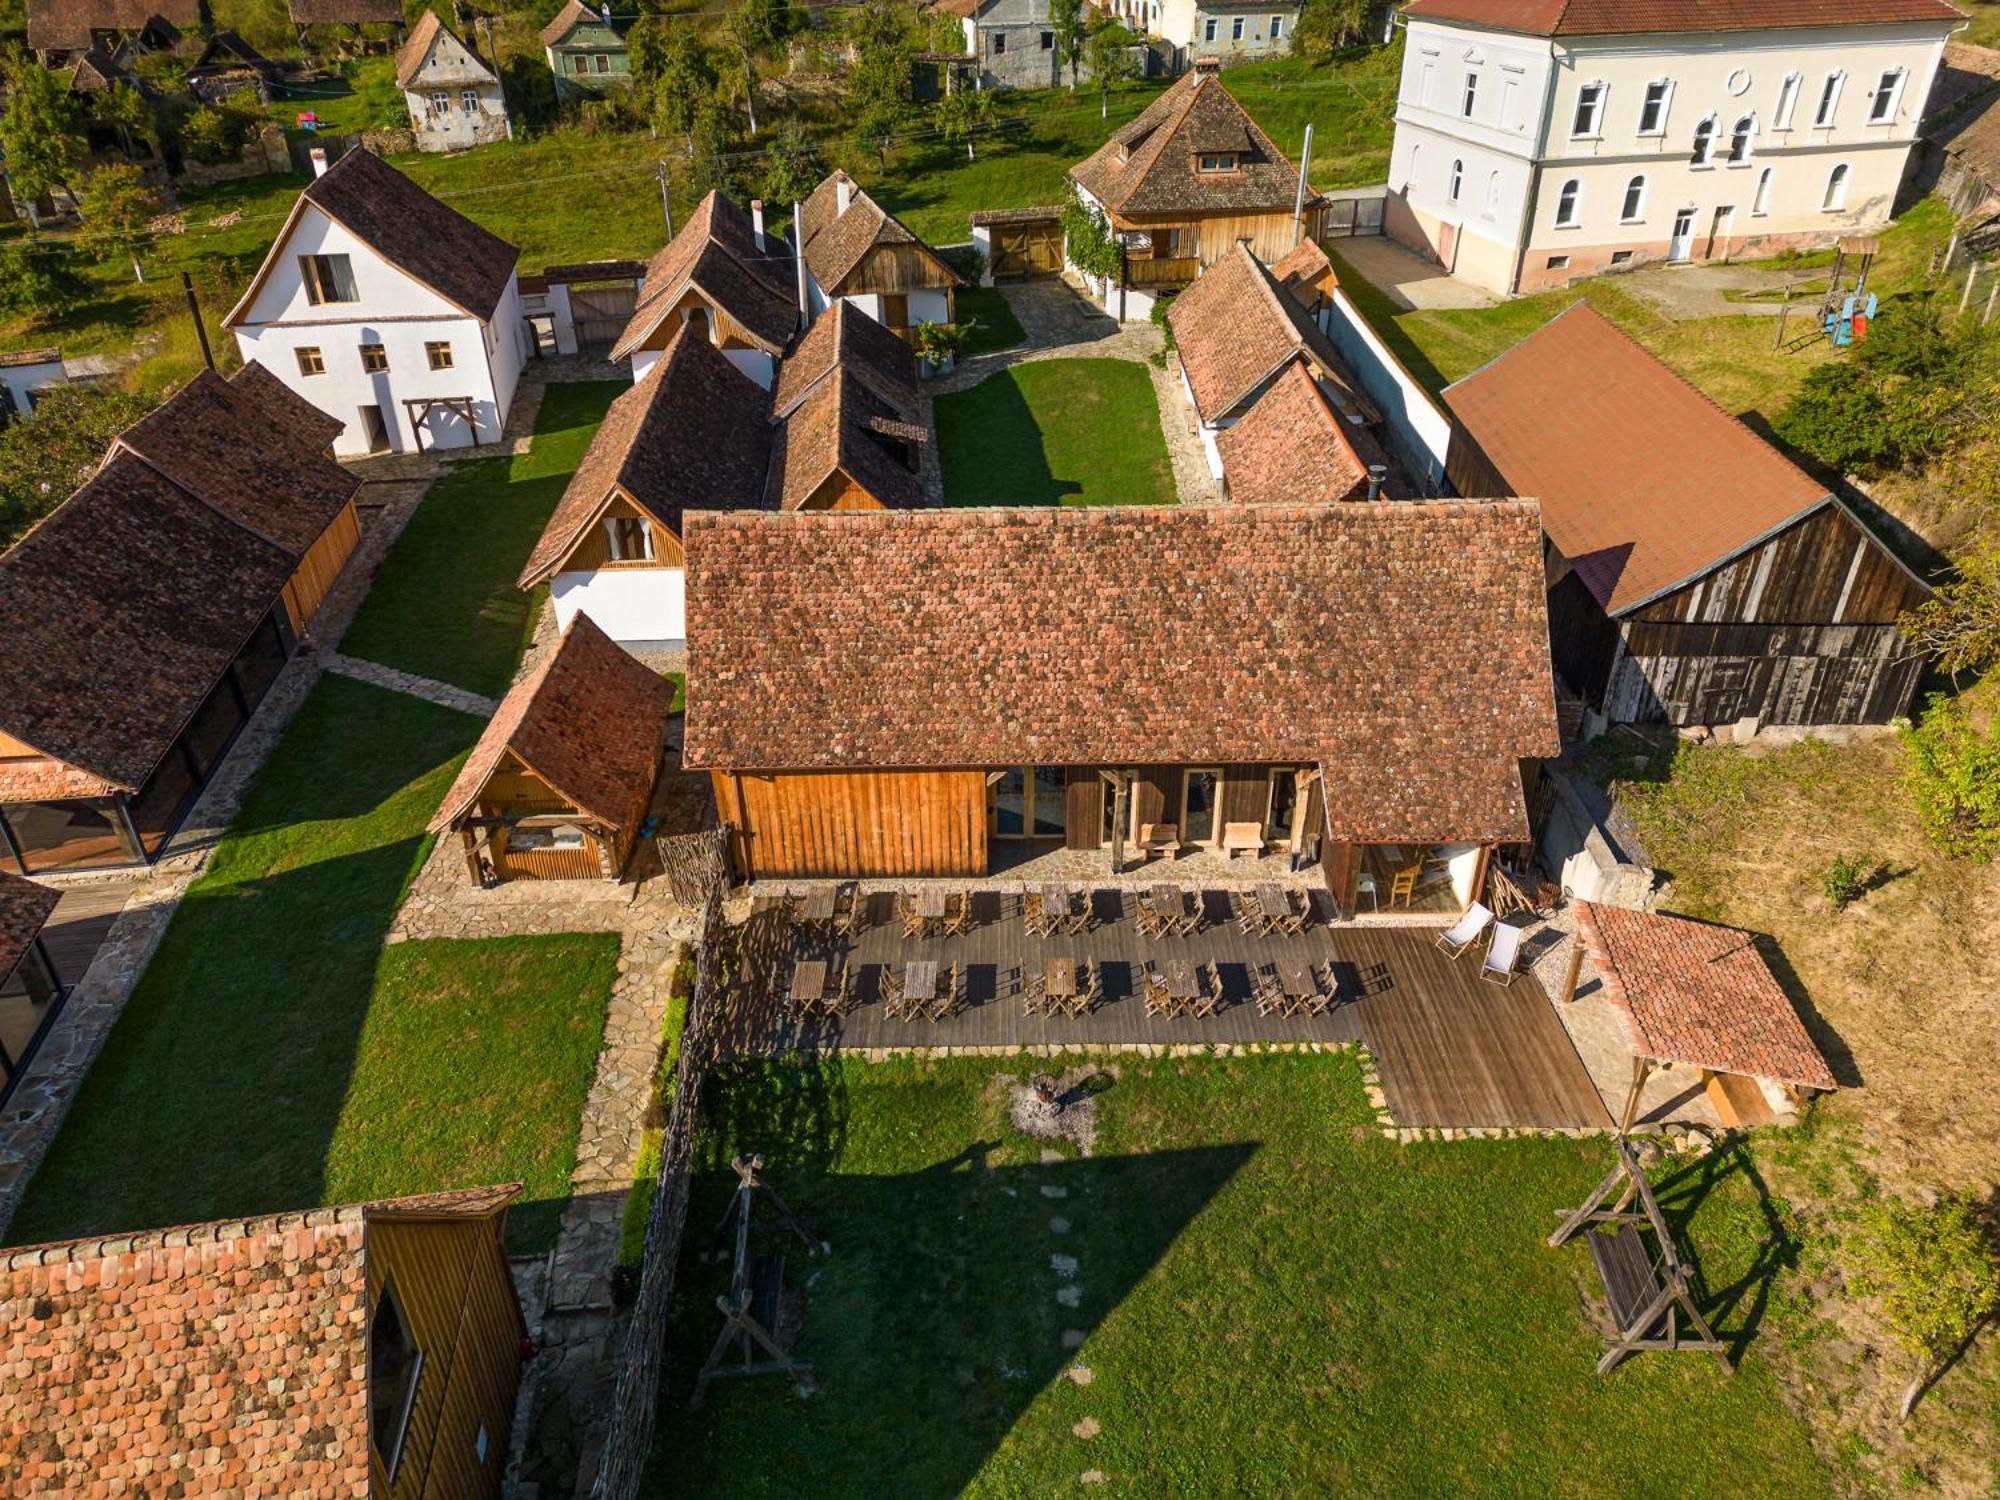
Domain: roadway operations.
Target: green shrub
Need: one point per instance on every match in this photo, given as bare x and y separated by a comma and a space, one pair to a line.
1087, 238
1845, 882
1839, 417
1933, 1267
1954, 778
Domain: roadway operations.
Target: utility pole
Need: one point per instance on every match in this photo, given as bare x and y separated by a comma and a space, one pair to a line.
666, 203
1299, 198
194, 311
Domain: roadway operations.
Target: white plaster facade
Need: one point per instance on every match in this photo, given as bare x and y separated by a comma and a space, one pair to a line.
1232, 33
26, 377
640, 607
398, 314
1521, 162
455, 100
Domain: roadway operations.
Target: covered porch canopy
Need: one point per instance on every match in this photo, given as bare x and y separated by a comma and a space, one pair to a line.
1700, 995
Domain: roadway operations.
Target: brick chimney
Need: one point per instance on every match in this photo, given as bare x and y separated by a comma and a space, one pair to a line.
318, 157
757, 221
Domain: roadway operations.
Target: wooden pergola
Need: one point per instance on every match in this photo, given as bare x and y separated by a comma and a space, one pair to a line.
419, 409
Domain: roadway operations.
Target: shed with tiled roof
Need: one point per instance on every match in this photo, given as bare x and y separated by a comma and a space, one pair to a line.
369, 1349
857, 251
60, 29
558, 785
743, 280
1697, 575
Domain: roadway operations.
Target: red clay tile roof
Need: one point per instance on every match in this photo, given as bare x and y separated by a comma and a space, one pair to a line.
66, 25
571, 16
1634, 17
1696, 993
24, 907
346, 12
836, 243
716, 253
1405, 645
589, 720
1973, 140
694, 432
1644, 482
1157, 175
1290, 448
1235, 328
1305, 264
226, 1358
848, 382
416, 50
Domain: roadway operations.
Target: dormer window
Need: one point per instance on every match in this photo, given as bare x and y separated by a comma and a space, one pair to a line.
395, 1364
628, 539
1216, 161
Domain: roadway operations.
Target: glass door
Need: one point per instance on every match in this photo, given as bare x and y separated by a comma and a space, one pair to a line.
1028, 802
1198, 806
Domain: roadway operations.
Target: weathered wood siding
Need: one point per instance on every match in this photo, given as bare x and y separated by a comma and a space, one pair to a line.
593, 549
1083, 809
840, 823
838, 492
453, 1287
1270, 234
514, 791
306, 590
892, 269
1583, 639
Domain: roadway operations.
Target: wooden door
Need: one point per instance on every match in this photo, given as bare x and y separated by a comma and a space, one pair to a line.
1023, 251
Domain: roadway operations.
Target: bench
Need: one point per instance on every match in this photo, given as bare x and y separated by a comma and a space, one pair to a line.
1242, 838
1625, 1266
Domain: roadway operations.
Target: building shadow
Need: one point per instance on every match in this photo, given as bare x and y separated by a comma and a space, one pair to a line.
1832, 1046
1735, 1308
990, 447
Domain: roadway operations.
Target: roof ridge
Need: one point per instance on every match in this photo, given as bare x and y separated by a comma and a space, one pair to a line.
178, 1236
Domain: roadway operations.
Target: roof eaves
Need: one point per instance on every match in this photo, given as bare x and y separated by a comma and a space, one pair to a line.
1730, 556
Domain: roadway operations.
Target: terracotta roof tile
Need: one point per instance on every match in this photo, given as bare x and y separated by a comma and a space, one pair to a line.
1634, 17
590, 720
573, 14
1304, 267
219, 1358
66, 25
1235, 328
1973, 140
1148, 165
346, 12
1290, 448
716, 253
836, 242
1644, 482
1697, 993
1405, 645
24, 907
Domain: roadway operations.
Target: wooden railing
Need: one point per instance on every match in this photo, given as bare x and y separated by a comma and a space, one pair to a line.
1158, 272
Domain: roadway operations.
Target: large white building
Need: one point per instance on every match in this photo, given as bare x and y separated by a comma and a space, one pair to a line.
393, 314
1541, 140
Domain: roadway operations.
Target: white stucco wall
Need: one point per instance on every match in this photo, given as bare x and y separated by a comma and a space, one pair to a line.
629, 604
21, 380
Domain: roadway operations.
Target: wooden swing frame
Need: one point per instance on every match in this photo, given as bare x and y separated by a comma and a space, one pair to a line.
1643, 1292
749, 1312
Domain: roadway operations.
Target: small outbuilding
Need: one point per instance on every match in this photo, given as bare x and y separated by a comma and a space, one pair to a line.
559, 783
1700, 995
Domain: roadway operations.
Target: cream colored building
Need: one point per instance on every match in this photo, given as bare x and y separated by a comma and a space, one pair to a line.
1542, 140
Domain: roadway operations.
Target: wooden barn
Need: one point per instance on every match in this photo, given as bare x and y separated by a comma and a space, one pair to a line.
858, 252
558, 785
1696, 576
942, 692
369, 1349
146, 617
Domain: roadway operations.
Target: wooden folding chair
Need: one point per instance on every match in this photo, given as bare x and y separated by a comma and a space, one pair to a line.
1403, 885
1209, 998
1158, 1001
1078, 921
946, 1000
1268, 992
957, 914
1033, 917
1152, 921
1249, 915
906, 908
1188, 920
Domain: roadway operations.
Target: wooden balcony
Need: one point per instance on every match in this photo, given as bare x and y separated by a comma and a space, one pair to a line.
1153, 272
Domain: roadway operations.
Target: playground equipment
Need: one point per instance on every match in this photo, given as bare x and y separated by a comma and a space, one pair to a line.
756, 1287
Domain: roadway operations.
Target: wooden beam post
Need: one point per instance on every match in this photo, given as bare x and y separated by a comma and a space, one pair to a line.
1641, 1069
470, 842
1574, 968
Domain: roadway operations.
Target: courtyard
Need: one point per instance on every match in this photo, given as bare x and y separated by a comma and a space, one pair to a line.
1061, 431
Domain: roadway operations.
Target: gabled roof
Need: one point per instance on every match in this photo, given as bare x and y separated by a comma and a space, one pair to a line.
24, 908
416, 49
1404, 646
1304, 265
66, 25
1290, 448
346, 12
716, 253
836, 243
1235, 328
1973, 141
695, 432
1637, 17
97, 70
1148, 165
571, 16
416, 233
220, 1358
843, 338
847, 385
1698, 993
227, 50
1645, 483
590, 721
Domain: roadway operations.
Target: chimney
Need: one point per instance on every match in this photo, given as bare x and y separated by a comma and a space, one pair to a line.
318, 157
1208, 66
1376, 474
799, 264
757, 221
843, 192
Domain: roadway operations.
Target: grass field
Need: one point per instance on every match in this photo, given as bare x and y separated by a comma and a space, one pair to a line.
1272, 1299
274, 1055
1055, 432
444, 604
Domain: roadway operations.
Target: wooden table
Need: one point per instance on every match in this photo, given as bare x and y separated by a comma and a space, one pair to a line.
920, 977
1170, 907
1183, 980
818, 906
1059, 978
929, 904
808, 983
1295, 978
1274, 903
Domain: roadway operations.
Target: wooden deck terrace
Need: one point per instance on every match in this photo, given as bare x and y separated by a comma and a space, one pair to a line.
1451, 1049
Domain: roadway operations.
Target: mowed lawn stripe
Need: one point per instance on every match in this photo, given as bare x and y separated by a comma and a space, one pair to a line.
1055, 432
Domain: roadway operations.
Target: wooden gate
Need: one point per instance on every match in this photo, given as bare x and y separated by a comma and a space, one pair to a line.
600, 314
1025, 250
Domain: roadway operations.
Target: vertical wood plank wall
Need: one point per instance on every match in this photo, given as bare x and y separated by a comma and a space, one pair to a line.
306, 590
452, 1284
826, 823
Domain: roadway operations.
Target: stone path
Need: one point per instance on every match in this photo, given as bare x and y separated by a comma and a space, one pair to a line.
427, 688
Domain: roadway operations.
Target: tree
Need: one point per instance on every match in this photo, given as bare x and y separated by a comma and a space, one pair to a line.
39, 279
1108, 55
749, 31
116, 207
962, 114
1088, 243
42, 460
685, 84
38, 132
794, 167
1937, 1275
1326, 26
1953, 776
709, 139
1066, 25
1960, 623
124, 109
647, 48
878, 84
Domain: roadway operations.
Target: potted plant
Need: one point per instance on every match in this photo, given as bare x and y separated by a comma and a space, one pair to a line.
937, 346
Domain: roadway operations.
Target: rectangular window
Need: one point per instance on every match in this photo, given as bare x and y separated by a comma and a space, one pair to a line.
1829, 100
1558, 263
439, 355
999, 42
1051, 815
1277, 27
440, 103
310, 362
1236, 30
1471, 96
1882, 107
603, 62
374, 359
629, 539
468, 101
1619, 257
1788, 102
1048, 41
1208, 29
395, 1364
1589, 109
1214, 162
1425, 75
1761, 204
327, 278
1653, 108
1198, 801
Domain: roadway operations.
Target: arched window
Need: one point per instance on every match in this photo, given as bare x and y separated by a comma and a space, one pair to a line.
1836, 189
1634, 207
1416, 156
1740, 137
1492, 195
1568, 203
1704, 141
1457, 179
1761, 204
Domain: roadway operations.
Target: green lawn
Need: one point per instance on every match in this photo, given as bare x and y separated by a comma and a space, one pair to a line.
274, 1055
444, 604
992, 320
1274, 1301
1055, 432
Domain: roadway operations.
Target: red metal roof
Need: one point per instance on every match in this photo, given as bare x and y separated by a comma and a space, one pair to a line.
1632, 17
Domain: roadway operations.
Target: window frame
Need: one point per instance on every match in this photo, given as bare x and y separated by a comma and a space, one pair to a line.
381, 353
1208, 28
1742, 141
1591, 129
1629, 211
1456, 182
1469, 98
433, 348
392, 1455
1789, 89
321, 274
1760, 197
1236, 28
1557, 263
312, 360
1224, 162
1888, 95
1665, 105
1834, 199
1188, 774
1277, 28
1569, 204
1826, 113
1705, 131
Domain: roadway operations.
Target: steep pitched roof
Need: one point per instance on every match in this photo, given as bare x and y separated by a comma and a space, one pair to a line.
1636, 17
589, 720
1235, 328
846, 385
438, 246
694, 432
574, 14
1698, 993
1290, 448
1304, 265
1973, 141
24, 908
97, 70
66, 25
1404, 646
226, 50
837, 242
1148, 165
716, 253
230, 1354
416, 50
1645, 483
346, 12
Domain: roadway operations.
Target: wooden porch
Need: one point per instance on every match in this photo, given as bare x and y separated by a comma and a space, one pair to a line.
1451, 1049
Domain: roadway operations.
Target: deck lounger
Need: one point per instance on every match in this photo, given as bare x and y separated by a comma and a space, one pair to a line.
1501, 954
1466, 930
